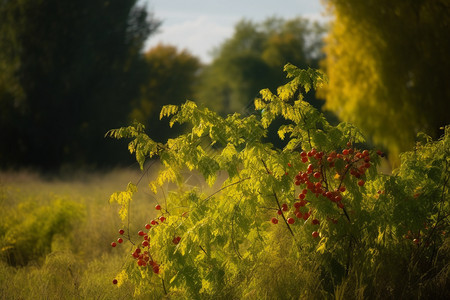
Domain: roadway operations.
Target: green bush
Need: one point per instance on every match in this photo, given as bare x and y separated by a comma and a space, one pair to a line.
31, 230
314, 219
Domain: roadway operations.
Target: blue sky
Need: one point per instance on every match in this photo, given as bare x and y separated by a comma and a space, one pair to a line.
201, 25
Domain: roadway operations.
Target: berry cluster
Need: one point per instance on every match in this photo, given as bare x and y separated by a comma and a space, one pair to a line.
314, 180
142, 253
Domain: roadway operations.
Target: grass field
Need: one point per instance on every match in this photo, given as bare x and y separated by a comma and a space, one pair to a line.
55, 234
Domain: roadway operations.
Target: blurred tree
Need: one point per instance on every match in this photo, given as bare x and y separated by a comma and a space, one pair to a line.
172, 80
252, 59
68, 70
388, 64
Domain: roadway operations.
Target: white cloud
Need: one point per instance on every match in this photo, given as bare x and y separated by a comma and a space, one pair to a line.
199, 36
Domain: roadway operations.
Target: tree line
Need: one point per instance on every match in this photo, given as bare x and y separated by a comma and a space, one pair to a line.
70, 71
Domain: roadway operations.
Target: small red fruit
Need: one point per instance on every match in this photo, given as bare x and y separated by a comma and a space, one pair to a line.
148, 226
315, 222
156, 269
141, 233
315, 234
279, 212
145, 243
304, 159
121, 231
291, 220
162, 219
114, 281
289, 165
361, 182
153, 222
284, 207
158, 207
274, 220
317, 175
345, 152
176, 240
342, 189
113, 244
120, 240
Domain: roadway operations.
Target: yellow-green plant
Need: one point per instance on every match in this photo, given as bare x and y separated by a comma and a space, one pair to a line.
314, 218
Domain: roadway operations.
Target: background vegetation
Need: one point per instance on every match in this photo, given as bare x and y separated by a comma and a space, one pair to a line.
70, 71
388, 68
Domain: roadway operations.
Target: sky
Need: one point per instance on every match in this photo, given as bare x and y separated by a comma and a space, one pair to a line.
202, 25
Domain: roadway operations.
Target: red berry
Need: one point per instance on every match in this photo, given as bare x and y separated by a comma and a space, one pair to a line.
345, 152
365, 153
303, 154
299, 215
114, 281
162, 219
305, 191
291, 220
113, 244
121, 231
145, 243
158, 207
279, 212
153, 222
342, 189
289, 165
141, 233
315, 234
284, 207
301, 196
304, 159
274, 220
361, 182
148, 226
156, 269
119, 240
317, 175
315, 222
349, 144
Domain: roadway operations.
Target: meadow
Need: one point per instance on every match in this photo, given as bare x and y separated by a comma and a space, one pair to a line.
55, 234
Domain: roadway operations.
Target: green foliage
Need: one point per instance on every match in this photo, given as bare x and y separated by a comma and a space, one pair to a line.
31, 231
355, 235
58, 63
251, 59
388, 67
173, 78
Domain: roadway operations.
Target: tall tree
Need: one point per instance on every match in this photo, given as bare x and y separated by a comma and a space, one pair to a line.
253, 57
388, 67
172, 80
69, 70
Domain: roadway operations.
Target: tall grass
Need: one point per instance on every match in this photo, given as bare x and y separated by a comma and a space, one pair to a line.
55, 235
